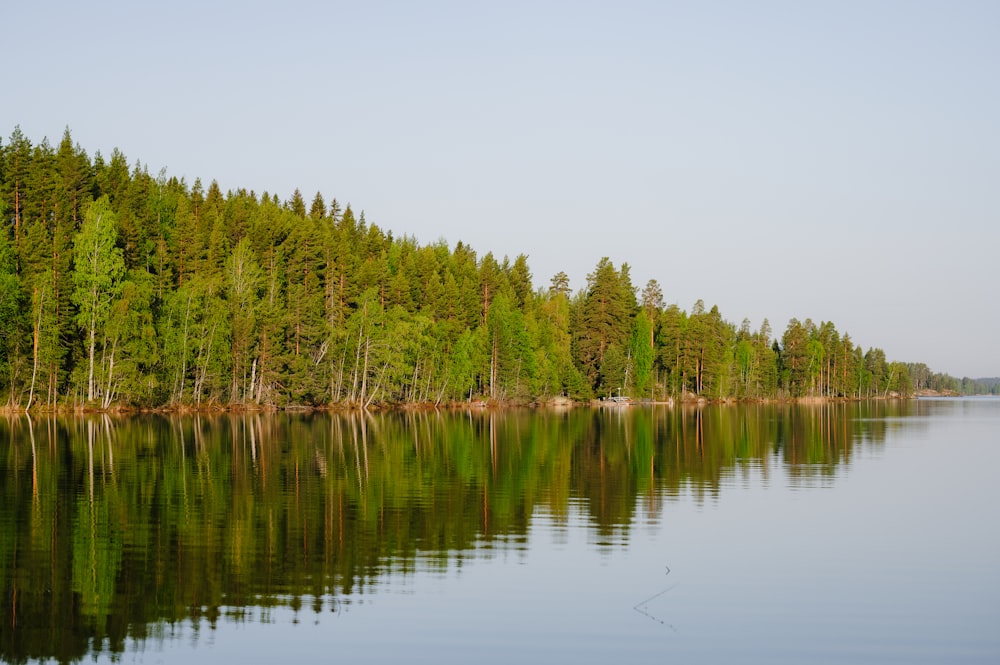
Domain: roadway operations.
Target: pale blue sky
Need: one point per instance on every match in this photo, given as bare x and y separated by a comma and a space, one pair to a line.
828, 160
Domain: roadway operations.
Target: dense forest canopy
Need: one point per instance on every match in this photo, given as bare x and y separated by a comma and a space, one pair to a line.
119, 288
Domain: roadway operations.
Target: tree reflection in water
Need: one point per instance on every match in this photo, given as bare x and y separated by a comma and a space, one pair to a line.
116, 529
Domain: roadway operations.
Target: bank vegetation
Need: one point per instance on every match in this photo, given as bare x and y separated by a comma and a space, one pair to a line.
124, 290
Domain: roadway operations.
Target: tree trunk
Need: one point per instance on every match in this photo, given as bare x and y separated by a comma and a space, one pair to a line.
364, 373
183, 376
37, 324
108, 391
90, 354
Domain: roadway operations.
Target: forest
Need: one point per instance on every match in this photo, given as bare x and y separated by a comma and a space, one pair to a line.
120, 289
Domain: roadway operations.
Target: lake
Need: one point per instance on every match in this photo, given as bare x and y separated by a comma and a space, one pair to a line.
754, 533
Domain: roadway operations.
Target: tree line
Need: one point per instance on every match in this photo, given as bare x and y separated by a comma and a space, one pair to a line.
120, 288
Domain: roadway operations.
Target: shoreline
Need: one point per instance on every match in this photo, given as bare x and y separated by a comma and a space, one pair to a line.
474, 405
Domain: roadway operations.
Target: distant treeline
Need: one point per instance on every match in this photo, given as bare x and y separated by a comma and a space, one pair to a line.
924, 379
119, 288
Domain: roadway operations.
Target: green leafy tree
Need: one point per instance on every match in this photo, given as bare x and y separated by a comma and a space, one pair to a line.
900, 382
877, 372
556, 371
97, 274
243, 281
131, 353
642, 353
45, 347
511, 366
746, 360
461, 378
195, 332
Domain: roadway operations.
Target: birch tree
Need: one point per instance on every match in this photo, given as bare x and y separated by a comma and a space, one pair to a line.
97, 274
243, 279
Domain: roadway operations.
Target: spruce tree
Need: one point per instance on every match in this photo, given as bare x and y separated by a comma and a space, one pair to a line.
11, 310
243, 281
605, 318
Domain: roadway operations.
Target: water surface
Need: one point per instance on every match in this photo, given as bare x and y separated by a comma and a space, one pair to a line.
834, 533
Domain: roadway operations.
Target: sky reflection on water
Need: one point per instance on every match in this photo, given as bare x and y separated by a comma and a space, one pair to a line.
883, 548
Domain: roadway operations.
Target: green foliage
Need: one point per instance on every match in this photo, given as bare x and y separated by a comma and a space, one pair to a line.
641, 348
795, 358
98, 270
614, 372
128, 369
511, 360
120, 288
12, 307
243, 281
604, 320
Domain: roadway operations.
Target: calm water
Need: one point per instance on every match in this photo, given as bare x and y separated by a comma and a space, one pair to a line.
838, 533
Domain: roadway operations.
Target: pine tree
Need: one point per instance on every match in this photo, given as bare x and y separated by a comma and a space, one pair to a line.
16, 163
795, 357
717, 355
491, 281
670, 342
559, 284
652, 299
47, 252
